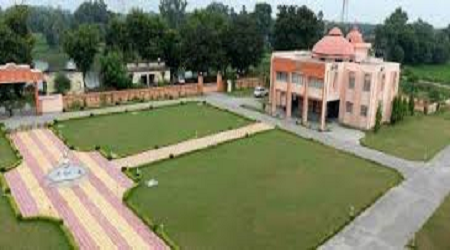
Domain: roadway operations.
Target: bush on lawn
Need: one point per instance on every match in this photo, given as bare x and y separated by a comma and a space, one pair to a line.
62, 84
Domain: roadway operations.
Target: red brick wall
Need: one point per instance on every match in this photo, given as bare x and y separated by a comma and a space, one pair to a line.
245, 83
98, 99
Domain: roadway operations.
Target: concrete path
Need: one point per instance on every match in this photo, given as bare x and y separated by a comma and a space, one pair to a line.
191, 145
394, 219
34, 121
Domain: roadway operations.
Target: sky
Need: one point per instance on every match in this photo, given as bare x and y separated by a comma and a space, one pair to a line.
369, 11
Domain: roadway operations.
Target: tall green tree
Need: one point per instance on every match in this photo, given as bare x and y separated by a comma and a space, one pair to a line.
203, 41
296, 28
113, 71
92, 12
117, 38
264, 21
173, 12
16, 40
145, 34
171, 50
244, 43
82, 45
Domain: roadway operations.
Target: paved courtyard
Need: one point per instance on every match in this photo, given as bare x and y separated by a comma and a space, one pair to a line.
92, 210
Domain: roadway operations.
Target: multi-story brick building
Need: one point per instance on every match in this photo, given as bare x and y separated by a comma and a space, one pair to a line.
338, 79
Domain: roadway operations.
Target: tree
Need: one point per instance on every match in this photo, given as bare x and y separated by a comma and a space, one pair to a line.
62, 83
264, 21
411, 105
171, 50
145, 34
378, 119
92, 12
202, 41
113, 71
117, 38
173, 12
82, 45
16, 40
296, 28
395, 115
245, 43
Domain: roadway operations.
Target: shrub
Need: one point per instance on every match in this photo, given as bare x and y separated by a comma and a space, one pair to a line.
411, 104
378, 119
62, 84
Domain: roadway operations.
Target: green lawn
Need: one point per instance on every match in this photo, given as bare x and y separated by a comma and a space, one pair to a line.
242, 93
434, 234
134, 132
271, 191
416, 138
7, 156
16, 234
433, 73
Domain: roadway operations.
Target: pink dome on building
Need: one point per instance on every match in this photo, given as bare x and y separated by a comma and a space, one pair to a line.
334, 46
355, 36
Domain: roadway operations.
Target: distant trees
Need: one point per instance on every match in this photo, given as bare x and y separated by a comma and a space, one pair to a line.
94, 13
173, 12
411, 43
296, 28
82, 45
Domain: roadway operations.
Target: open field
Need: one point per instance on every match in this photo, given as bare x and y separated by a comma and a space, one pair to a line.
433, 73
416, 138
134, 132
269, 191
434, 234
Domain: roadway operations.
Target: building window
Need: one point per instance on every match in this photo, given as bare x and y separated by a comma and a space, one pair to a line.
364, 111
349, 107
367, 82
351, 80
297, 79
282, 77
316, 83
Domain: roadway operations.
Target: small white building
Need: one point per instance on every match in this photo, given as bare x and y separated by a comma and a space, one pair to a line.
149, 74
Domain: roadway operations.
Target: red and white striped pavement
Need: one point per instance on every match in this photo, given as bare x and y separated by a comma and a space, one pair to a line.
92, 209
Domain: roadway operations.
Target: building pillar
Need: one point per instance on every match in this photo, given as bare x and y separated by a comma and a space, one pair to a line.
273, 92
305, 102
36, 97
200, 83
323, 113
220, 84
289, 97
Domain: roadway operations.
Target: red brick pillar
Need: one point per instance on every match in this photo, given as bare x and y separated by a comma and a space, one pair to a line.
220, 83
200, 83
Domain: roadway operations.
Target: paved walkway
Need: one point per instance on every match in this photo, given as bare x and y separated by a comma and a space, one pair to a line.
92, 209
394, 219
15, 122
190, 145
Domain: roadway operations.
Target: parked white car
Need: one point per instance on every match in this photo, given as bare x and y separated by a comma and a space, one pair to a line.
260, 92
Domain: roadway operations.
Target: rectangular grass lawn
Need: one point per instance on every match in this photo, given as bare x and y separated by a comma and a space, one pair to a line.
270, 191
416, 138
434, 234
134, 132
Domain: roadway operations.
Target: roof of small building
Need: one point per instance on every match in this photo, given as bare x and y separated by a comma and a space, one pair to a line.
333, 45
12, 73
146, 67
354, 36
